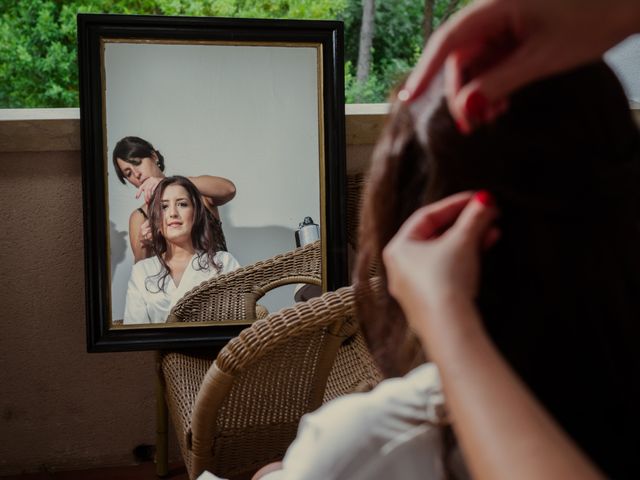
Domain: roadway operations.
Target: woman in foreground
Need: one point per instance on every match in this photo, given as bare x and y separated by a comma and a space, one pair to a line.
572, 326
537, 349
558, 294
186, 252
137, 162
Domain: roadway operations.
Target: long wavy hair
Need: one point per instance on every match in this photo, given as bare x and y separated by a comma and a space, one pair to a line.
560, 291
206, 234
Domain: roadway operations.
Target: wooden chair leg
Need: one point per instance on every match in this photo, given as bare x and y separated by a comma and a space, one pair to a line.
162, 440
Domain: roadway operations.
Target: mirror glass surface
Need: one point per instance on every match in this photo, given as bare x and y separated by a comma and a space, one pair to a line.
249, 113
248, 116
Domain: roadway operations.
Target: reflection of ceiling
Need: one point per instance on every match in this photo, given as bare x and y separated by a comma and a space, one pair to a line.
625, 60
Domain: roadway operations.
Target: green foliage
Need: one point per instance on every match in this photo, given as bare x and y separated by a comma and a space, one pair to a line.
38, 63
308, 9
38, 59
34, 63
355, 92
397, 44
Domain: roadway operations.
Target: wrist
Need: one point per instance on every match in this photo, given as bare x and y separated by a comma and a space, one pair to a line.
449, 302
443, 314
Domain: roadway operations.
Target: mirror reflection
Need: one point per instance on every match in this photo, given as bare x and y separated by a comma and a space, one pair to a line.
214, 160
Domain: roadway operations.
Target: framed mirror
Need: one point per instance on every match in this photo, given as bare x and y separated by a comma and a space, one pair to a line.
206, 143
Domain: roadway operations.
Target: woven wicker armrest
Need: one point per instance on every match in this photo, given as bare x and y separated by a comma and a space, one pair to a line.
264, 380
356, 184
233, 295
247, 408
333, 309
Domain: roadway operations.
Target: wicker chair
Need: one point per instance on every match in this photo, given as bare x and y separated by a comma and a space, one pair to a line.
234, 296
242, 412
356, 184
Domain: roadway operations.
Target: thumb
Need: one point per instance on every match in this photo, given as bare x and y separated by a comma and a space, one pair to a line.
476, 219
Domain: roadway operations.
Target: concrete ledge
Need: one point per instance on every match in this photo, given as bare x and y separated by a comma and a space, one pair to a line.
58, 129
364, 122
39, 130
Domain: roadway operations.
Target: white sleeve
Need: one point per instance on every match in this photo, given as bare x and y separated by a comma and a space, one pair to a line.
135, 310
330, 441
229, 262
207, 475
383, 434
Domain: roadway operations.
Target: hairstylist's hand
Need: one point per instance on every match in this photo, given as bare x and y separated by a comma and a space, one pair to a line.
147, 188
516, 42
436, 253
146, 240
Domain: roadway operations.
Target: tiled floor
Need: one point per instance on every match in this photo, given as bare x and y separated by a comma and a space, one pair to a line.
144, 471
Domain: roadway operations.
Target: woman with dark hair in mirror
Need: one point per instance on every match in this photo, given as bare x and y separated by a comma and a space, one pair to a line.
524, 295
186, 246
136, 161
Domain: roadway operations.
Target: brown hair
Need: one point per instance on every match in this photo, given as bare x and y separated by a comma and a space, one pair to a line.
560, 292
206, 233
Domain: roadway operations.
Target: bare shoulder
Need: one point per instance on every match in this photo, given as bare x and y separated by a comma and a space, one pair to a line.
137, 218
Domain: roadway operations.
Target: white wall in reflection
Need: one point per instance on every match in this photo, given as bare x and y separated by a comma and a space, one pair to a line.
247, 113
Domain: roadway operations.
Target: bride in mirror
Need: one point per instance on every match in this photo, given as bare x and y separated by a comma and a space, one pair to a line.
137, 162
186, 248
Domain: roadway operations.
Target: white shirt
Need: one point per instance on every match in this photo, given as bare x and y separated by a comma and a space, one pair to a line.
146, 304
385, 434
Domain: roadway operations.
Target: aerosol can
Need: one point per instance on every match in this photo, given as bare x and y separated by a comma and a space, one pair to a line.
307, 232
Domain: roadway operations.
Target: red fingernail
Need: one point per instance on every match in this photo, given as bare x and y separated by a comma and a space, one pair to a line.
485, 198
476, 106
461, 127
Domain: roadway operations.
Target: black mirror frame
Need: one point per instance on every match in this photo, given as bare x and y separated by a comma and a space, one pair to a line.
101, 337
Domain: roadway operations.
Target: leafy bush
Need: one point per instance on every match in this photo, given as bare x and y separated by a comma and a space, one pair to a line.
38, 60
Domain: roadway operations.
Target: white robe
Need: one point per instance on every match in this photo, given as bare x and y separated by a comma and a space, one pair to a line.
385, 434
145, 304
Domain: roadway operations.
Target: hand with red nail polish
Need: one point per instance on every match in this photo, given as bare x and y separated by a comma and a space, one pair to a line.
436, 253
493, 47
476, 106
